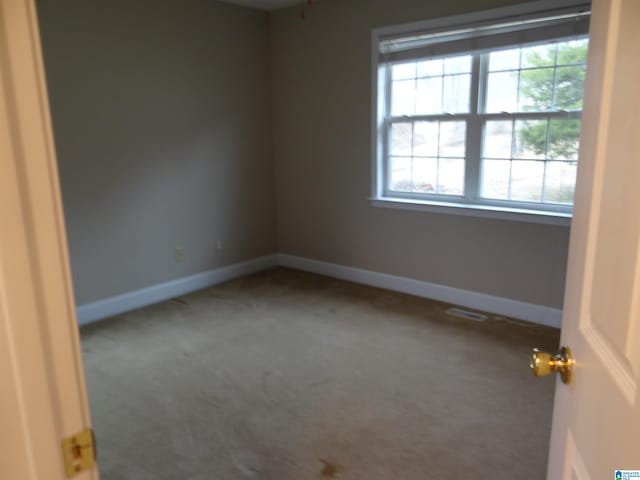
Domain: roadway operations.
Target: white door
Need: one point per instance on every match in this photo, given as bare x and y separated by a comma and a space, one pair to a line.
42, 396
596, 420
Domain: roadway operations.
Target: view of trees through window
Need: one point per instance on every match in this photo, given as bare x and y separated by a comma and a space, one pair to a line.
529, 105
565, 90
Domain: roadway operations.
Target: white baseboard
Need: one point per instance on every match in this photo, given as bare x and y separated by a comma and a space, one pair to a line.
108, 307
478, 301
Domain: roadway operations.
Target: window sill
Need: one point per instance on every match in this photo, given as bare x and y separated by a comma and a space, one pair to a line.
483, 211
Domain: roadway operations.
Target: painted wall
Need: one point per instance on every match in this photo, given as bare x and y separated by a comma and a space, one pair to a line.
321, 81
161, 113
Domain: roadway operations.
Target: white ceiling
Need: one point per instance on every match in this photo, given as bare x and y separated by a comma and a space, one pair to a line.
265, 4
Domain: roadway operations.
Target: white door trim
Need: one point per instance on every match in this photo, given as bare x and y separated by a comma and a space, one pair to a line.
42, 362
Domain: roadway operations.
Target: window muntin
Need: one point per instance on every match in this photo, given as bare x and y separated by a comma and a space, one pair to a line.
516, 113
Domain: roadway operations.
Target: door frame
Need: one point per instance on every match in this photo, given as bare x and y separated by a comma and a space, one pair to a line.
40, 358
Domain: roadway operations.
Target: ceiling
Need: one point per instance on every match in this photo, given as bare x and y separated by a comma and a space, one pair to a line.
265, 4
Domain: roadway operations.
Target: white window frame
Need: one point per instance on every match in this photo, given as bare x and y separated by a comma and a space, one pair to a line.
471, 204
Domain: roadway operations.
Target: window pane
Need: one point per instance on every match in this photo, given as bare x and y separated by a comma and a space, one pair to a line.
427, 157
403, 97
452, 139
530, 139
497, 139
502, 92
400, 174
425, 175
559, 183
460, 64
564, 139
504, 60
455, 98
578, 49
425, 139
430, 68
537, 78
495, 179
524, 158
403, 71
539, 56
526, 180
569, 87
400, 139
429, 96
451, 176
573, 52
520, 177
536, 90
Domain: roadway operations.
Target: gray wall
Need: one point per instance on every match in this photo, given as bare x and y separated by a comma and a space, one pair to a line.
163, 111
322, 109
161, 114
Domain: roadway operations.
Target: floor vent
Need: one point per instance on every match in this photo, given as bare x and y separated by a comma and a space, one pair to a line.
457, 312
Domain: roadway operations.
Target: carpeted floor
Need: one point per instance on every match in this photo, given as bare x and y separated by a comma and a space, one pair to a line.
286, 375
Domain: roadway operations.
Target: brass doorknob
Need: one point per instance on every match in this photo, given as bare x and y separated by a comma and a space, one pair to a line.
543, 363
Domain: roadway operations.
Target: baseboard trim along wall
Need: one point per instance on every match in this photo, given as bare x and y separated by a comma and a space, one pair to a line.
108, 307
126, 302
478, 301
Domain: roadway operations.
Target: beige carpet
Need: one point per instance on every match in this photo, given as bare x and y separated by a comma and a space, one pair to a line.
286, 375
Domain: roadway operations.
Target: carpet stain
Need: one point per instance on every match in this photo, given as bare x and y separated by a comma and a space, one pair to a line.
330, 469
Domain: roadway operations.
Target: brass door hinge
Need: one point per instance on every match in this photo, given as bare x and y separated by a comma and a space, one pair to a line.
79, 452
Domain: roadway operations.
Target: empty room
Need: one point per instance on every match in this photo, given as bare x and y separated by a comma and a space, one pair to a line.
334, 238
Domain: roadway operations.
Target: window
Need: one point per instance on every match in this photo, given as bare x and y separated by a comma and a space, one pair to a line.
485, 115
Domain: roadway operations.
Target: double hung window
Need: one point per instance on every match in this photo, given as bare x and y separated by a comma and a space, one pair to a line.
485, 114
